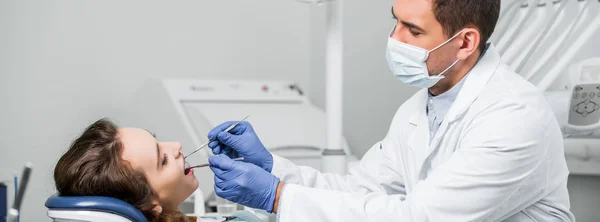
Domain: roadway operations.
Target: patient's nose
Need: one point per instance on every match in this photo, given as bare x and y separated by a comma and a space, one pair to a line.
175, 147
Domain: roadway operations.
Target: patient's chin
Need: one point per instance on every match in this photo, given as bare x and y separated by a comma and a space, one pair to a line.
193, 185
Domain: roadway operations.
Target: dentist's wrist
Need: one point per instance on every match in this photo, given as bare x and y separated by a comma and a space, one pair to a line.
277, 195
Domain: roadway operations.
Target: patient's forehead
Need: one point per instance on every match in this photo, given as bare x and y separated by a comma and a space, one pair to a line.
139, 148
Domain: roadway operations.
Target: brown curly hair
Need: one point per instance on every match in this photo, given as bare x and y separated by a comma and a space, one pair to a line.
93, 167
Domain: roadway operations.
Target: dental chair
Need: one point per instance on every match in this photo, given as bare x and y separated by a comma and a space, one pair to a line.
93, 209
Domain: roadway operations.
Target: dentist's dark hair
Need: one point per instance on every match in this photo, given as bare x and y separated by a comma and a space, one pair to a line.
93, 167
454, 15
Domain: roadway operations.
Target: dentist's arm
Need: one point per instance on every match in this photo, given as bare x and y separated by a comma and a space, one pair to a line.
498, 170
242, 141
362, 178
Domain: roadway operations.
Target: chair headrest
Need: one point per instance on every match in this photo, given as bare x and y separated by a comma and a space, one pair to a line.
95, 203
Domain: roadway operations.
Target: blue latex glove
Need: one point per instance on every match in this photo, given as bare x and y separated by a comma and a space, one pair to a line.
244, 183
241, 141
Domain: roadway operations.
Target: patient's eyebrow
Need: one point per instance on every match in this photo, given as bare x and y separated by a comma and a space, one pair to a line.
157, 150
157, 157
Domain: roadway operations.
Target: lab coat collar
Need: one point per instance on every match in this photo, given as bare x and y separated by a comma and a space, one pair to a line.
421, 99
473, 85
419, 137
475, 82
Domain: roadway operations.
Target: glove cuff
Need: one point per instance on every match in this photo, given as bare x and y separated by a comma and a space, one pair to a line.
272, 193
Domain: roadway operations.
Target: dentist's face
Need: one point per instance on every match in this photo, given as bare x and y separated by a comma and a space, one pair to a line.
162, 163
417, 25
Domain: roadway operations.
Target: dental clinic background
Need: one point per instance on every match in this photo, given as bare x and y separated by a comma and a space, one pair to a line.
64, 64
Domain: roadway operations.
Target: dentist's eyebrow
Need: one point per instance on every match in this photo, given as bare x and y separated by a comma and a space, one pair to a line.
408, 24
412, 26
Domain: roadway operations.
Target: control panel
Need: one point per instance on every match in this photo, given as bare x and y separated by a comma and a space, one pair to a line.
584, 109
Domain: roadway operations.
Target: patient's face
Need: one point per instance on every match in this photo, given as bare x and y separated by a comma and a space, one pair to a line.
162, 163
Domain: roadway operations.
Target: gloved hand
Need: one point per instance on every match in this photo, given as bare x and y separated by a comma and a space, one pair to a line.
241, 141
244, 183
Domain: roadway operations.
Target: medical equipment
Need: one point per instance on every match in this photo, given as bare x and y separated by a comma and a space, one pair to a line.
186, 110
208, 164
550, 34
546, 66
553, 39
583, 108
13, 212
108, 209
91, 208
516, 24
226, 130
576, 110
334, 156
3, 200
8, 191
584, 78
225, 207
544, 14
558, 33
504, 23
576, 44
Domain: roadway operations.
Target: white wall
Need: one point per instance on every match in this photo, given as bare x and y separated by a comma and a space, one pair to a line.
64, 64
371, 92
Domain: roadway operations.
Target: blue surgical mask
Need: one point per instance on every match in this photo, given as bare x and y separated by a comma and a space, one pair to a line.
408, 63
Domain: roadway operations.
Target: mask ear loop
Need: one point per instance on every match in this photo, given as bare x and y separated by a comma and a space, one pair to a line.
449, 67
444, 43
450, 39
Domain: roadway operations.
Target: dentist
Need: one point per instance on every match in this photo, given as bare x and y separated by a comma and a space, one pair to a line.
477, 143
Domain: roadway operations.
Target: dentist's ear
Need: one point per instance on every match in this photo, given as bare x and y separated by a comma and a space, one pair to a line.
469, 42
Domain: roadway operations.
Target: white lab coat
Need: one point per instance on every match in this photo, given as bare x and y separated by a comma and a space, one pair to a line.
497, 156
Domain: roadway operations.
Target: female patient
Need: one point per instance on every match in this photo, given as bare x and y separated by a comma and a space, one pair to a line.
128, 164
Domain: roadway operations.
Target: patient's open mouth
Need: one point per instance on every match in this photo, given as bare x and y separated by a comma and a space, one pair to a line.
186, 168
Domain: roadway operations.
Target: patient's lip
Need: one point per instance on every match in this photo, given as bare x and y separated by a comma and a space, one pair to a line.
188, 171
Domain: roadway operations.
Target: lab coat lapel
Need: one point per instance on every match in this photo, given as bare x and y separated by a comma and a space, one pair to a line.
418, 141
474, 84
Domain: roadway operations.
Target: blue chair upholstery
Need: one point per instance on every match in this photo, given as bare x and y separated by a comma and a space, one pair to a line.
93, 203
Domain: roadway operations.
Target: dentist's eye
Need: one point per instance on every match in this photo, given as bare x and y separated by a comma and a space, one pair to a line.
415, 34
165, 159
